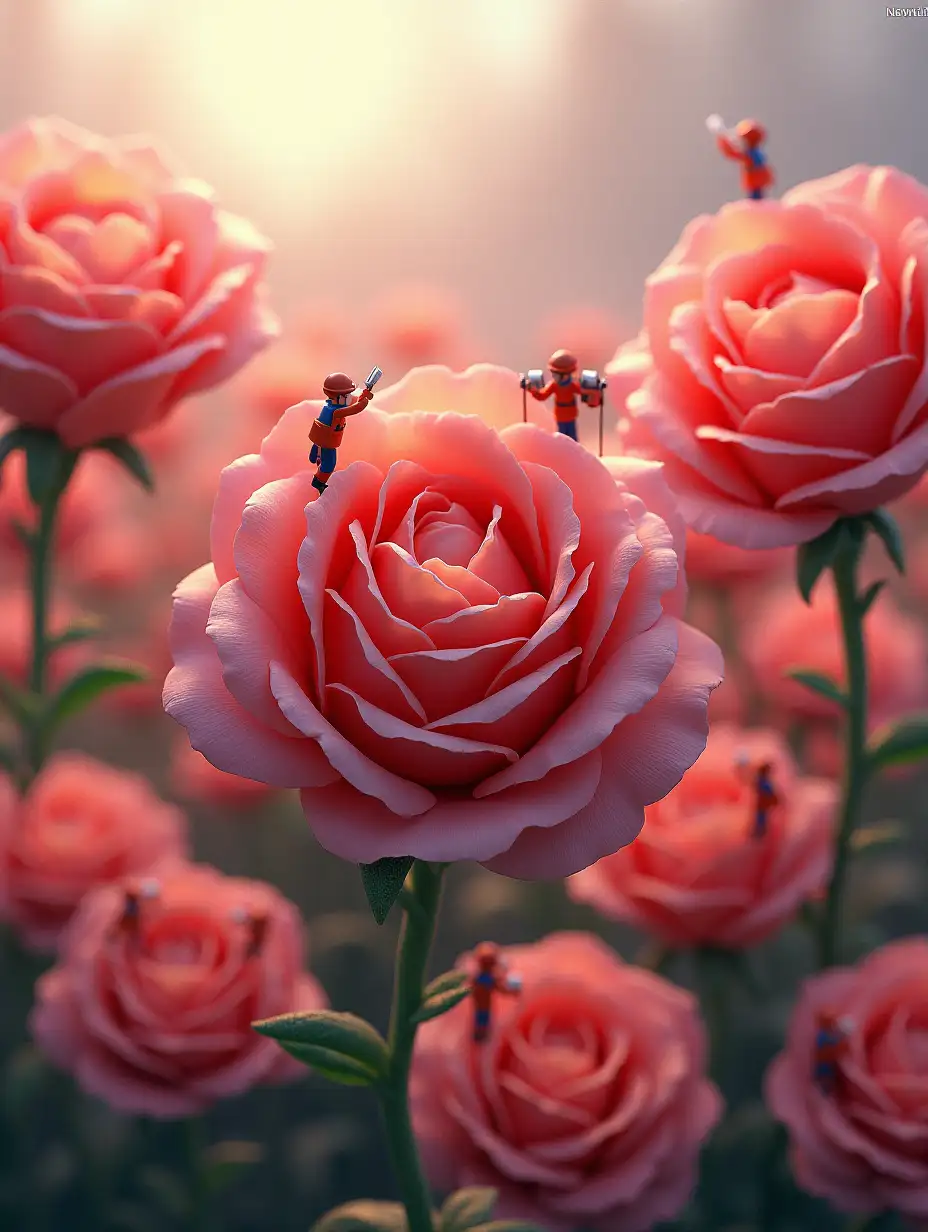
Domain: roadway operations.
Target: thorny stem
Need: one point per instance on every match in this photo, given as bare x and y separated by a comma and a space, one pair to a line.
41, 548
415, 942
856, 768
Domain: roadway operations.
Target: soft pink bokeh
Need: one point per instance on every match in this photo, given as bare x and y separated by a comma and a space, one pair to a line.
415, 325
193, 779
864, 1146
695, 875
710, 560
81, 824
589, 333
16, 638
587, 1106
125, 287
783, 633
786, 347
469, 648
158, 1023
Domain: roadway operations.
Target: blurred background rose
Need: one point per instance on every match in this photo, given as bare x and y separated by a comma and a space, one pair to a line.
493, 162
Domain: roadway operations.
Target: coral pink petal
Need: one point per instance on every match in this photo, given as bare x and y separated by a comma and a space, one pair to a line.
39, 288
454, 829
456, 577
445, 681
411, 593
870, 338
238, 484
512, 616
643, 759
397, 793
196, 697
748, 387
849, 411
354, 661
362, 594
138, 396
85, 351
779, 464
158, 310
793, 335
693, 341
35, 394
495, 562
622, 687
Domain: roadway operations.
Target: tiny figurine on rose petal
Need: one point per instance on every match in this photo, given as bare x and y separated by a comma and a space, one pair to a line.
130, 921
257, 924
329, 426
490, 978
590, 389
765, 796
830, 1045
744, 144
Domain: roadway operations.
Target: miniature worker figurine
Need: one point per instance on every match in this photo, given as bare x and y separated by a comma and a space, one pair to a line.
830, 1045
130, 921
765, 797
490, 978
566, 390
744, 145
326, 432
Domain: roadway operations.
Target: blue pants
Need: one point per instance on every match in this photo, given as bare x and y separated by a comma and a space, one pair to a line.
756, 194
327, 459
568, 427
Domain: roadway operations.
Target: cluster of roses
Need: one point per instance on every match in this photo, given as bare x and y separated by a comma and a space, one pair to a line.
473, 648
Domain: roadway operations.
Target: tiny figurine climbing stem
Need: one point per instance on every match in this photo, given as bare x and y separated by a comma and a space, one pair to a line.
852, 611
415, 943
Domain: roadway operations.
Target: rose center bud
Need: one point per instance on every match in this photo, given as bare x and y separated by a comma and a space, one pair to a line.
183, 945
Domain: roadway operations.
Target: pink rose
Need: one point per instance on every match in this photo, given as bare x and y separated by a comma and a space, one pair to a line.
588, 1104
786, 633
124, 289
863, 1144
82, 824
468, 649
786, 343
696, 875
153, 1014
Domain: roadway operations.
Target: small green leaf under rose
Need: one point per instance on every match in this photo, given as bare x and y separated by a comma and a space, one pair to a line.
48, 465
86, 686
901, 743
341, 1047
824, 686
869, 597
813, 558
886, 528
467, 1209
383, 881
364, 1217
130, 457
442, 995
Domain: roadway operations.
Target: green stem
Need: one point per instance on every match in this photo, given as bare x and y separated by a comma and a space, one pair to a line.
713, 995
415, 942
42, 548
855, 757
195, 1145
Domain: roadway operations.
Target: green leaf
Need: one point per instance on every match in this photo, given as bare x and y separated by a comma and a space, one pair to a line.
48, 465
17, 702
868, 598
383, 881
9, 762
81, 631
882, 834
886, 527
86, 686
131, 458
824, 686
466, 1209
364, 1217
813, 558
900, 743
226, 1160
341, 1047
443, 995
11, 441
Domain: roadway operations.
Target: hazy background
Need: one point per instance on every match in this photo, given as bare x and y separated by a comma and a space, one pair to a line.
524, 153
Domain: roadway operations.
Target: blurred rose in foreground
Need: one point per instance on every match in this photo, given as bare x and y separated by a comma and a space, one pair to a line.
468, 648
785, 633
587, 1106
193, 779
786, 349
126, 287
81, 825
862, 1145
696, 875
153, 1015
590, 333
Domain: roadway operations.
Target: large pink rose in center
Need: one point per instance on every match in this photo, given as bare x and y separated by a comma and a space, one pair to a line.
469, 648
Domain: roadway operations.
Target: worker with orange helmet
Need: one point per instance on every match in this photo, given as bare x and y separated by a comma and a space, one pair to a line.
566, 390
490, 978
329, 425
744, 145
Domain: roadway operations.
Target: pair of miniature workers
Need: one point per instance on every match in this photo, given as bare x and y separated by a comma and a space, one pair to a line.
328, 428
566, 390
744, 144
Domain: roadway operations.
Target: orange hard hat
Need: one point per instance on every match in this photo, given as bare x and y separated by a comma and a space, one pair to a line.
487, 954
562, 361
751, 132
338, 383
